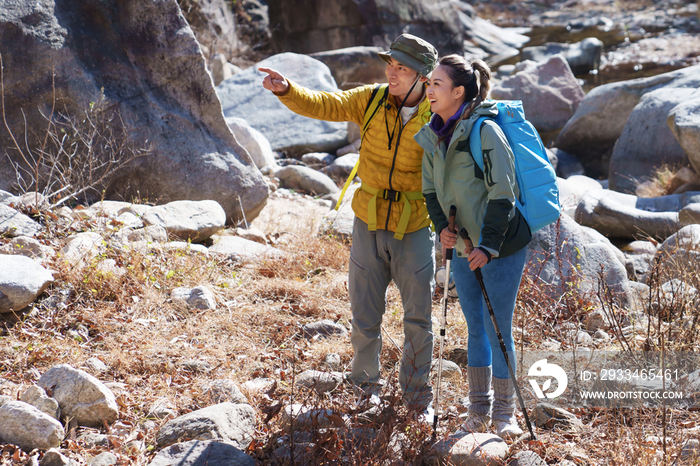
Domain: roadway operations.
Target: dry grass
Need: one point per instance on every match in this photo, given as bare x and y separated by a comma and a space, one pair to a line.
130, 323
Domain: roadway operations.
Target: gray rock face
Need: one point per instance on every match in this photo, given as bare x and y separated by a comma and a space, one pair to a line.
53, 457
26, 426
80, 395
646, 142
242, 249
202, 453
476, 449
341, 167
152, 72
193, 220
526, 458
21, 281
626, 216
306, 180
346, 23
549, 91
353, 66
14, 223
82, 248
222, 390
581, 256
684, 121
103, 459
243, 96
598, 122
581, 56
229, 422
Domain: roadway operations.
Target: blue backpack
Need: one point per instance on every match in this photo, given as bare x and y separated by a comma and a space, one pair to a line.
539, 192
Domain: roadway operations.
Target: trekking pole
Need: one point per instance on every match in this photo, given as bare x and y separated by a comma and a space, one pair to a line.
448, 258
480, 278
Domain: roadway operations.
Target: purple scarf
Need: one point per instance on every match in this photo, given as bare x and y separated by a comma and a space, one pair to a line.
443, 129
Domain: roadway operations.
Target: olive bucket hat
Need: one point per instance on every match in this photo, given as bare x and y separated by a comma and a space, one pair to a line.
413, 52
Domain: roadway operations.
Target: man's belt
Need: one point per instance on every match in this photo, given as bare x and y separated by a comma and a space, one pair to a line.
393, 196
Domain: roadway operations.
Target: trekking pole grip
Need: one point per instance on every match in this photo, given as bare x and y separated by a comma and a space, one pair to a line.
451, 228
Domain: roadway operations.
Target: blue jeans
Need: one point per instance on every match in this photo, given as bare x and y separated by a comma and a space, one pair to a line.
502, 280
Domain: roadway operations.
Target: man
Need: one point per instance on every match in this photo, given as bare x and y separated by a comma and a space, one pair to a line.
391, 238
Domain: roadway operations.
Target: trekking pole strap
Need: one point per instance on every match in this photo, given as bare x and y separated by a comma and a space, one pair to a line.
393, 196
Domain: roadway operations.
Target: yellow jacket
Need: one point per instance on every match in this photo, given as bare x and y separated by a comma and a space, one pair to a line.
398, 168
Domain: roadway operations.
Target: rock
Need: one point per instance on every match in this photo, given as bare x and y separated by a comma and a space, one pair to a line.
24, 425
228, 422
333, 361
339, 223
622, 215
197, 366
684, 121
242, 249
449, 368
161, 409
307, 417
82, 248
526, 458
549, 416
151, 74
186, 247
690, 453
549, 91
679, 252
95, 365
599, 319
188, 220
583, 339
317, 160
322, 382
199, 298
478, 449
572, 190
104, 459
582, 56
306, 180
151, 234
36, 396
259, 384
581, 255
21, 281
252, 234
567, 164
243, 95
683, 176
14, 223
484, 39
646, 143
689, 214
223, 390
341, 167
601, 116
202, 453
324, 328
80, 395
53, 457
354, 146
354, 66
221, 69
253, 141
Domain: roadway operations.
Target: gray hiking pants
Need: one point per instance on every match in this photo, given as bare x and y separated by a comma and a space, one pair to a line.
375, 258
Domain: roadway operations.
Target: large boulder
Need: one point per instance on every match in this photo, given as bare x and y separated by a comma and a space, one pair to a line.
565, 257
549, 91
684, 121
138, 63
622, 215
21, 281
581, 56
354, 66
646, 143
598, 122
244, 96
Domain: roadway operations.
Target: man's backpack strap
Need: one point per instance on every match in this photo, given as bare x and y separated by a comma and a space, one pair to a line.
393, 196
371, 110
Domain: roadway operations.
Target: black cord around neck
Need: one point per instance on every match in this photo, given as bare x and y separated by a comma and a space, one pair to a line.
398, 114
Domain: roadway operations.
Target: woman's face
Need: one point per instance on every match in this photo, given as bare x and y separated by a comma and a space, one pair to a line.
445, 99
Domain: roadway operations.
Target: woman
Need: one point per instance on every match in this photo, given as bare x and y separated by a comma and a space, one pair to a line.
485, 202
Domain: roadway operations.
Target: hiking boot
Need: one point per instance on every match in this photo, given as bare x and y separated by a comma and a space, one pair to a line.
504, 409
476, 423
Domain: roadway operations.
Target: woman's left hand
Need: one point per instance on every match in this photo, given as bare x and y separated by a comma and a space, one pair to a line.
477, 259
